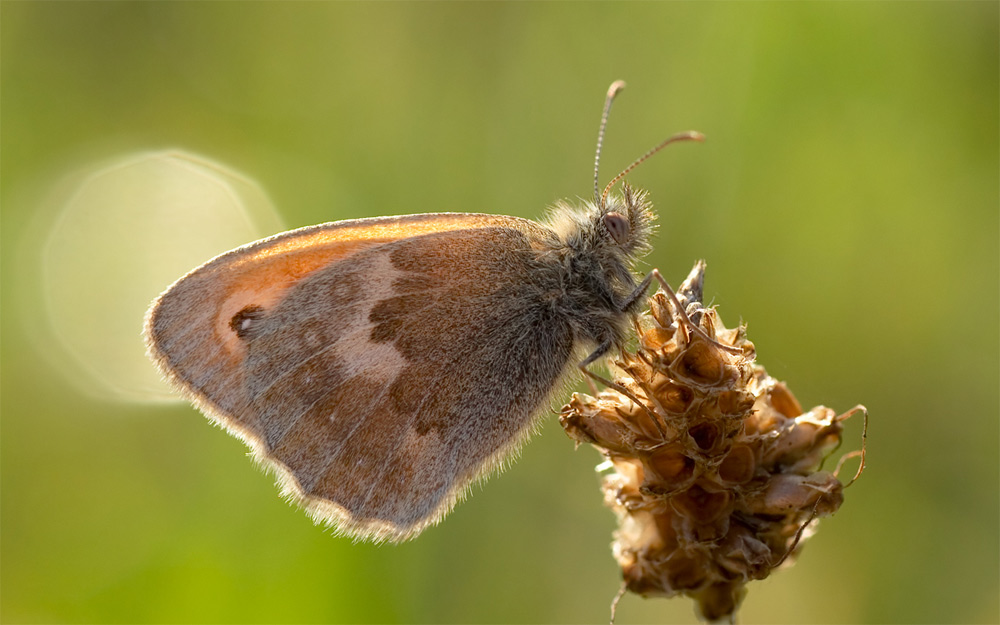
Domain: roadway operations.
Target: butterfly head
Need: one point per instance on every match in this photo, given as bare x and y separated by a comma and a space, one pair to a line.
612, 235
626, 222
607, 235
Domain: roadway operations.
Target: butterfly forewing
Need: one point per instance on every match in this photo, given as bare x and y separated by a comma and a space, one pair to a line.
191, 328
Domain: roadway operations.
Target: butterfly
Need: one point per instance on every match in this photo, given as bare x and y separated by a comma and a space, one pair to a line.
380, 366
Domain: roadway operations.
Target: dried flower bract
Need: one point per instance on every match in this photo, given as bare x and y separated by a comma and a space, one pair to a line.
717, 474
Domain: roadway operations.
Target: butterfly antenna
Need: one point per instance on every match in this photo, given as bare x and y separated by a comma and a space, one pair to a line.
690, 135
613, 90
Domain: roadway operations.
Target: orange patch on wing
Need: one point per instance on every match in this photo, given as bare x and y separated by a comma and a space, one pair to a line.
264, 278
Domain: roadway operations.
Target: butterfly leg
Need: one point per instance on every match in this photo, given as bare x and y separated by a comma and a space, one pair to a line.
603, 349
626, 306
681, 313
639, 292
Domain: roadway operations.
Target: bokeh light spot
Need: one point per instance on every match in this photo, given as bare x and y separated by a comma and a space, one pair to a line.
133, 227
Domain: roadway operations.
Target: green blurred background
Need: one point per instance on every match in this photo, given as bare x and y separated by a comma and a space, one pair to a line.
846, 202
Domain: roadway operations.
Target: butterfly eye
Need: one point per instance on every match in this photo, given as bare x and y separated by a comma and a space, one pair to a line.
618, 226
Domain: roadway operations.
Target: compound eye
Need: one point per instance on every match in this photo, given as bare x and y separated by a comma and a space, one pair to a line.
618, 227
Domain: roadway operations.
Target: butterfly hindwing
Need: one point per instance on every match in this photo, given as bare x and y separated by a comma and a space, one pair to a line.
444, 354
377, 382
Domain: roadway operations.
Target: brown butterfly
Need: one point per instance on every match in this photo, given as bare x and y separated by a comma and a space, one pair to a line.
379, 366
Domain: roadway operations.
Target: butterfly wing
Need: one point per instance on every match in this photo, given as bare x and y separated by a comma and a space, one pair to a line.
379, 366
191, 329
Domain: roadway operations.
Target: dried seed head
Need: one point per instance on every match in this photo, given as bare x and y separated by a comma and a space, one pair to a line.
721, 491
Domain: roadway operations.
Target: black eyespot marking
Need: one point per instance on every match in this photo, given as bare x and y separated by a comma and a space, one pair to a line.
618, 227
242, 322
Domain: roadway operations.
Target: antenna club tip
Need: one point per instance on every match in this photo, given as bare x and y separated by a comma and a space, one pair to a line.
694, 135
615, 87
